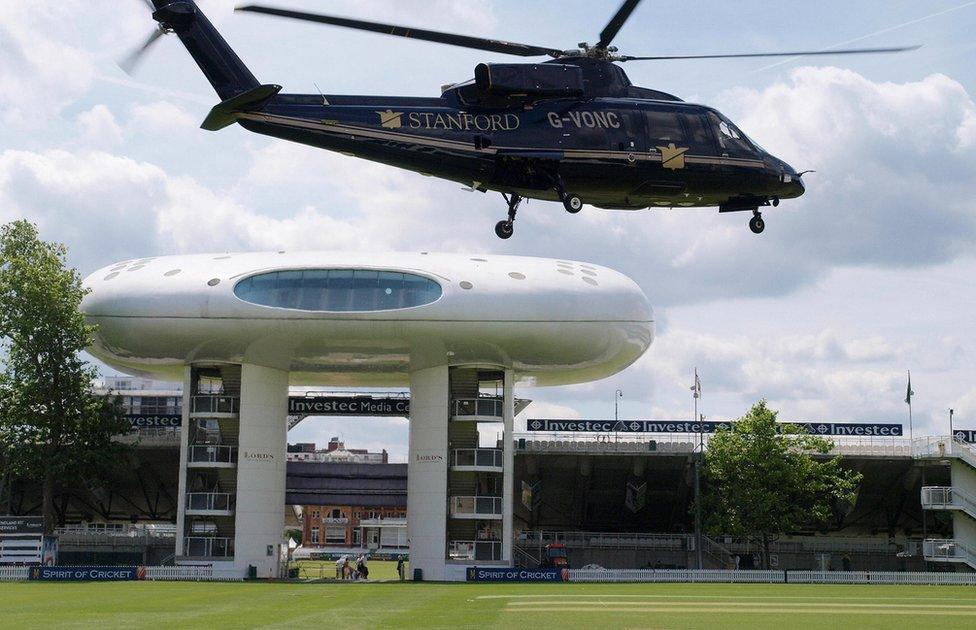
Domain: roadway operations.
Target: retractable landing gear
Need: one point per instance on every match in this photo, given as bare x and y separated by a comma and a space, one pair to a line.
571, 202
505, 229
756, 223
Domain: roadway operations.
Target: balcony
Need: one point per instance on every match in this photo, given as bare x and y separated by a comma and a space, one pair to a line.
211, 456
948, 498
480, 409
208, 547
477, 550
210, 504
214, 406
477, 459
947, 550
476, 508
383, 522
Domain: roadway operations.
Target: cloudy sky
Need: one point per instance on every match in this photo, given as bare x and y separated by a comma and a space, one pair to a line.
870, 274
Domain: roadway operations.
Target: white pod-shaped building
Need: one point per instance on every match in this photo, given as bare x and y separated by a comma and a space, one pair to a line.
359, 319
459, 330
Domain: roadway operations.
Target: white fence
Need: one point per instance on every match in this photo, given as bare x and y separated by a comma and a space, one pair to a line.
771, 577
13, 574
189, 574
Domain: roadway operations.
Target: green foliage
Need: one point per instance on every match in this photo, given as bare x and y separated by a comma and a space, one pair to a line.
51, 427
763, 479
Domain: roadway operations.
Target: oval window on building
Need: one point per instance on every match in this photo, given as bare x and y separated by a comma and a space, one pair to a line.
338, 290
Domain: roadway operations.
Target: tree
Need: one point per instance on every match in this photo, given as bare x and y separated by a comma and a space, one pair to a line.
764, 479
52, 428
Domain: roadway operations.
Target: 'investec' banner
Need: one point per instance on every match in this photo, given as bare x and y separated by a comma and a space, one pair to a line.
503, 574
102, 574
681, 426
139, 421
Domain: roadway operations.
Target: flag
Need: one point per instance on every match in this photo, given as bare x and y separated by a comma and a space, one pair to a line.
908, 392
696, 388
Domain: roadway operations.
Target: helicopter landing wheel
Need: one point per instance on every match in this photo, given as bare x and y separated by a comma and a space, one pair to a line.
572, 203
756, 224
506, 227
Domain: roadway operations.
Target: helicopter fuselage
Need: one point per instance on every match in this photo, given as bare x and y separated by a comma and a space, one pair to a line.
624, 153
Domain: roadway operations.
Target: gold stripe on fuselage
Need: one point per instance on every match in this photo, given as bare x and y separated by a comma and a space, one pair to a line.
336, 128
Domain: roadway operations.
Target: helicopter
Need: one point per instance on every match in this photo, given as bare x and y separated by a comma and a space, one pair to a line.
572, 128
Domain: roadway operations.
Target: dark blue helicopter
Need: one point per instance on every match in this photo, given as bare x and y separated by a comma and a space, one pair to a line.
572, 129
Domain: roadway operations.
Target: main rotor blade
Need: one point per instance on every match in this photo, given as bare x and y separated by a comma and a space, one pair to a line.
129, 63
464, 41
613, 26
803, 53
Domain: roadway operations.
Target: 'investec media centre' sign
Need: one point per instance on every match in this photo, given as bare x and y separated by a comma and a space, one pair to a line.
687, 426
394, 406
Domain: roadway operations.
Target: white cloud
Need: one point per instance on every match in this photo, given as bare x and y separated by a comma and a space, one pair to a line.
160, 119
98, 127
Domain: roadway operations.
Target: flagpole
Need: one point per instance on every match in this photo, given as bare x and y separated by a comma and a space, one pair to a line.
696, 393
911, 432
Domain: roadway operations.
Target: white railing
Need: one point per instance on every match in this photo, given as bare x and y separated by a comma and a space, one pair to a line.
771, 577
161, 530
948, 550
480, 506
489, 550
383, 522
210, 501
212, 403
208, 547
944, 446
212, 454
602, 539
948, 498
483, 406
481, 457
14, 574
688, 443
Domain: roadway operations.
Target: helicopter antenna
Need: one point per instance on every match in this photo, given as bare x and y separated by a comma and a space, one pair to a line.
325, 101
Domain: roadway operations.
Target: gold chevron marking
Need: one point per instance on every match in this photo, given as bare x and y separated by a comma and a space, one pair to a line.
672, 156
390, 119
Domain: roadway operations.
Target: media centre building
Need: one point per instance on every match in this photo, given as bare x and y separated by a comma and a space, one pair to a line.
460, 331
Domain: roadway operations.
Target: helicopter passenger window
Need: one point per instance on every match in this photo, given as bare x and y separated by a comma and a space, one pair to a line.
697, 131
664, 125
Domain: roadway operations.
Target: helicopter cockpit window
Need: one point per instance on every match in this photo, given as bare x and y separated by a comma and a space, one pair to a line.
728, 136
664, 126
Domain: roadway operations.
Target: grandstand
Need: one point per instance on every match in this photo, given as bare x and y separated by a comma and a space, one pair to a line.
614, 500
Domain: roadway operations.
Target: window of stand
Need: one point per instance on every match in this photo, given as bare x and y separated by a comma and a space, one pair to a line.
338, 290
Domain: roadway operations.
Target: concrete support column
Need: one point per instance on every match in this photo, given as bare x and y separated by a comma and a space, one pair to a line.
508, 459
260, 510
427, 471
184, 454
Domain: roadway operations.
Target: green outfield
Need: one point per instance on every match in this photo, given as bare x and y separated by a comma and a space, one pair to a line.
537, 606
